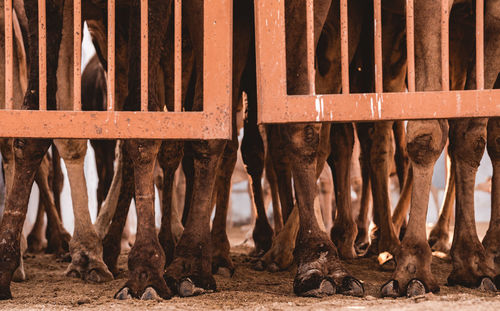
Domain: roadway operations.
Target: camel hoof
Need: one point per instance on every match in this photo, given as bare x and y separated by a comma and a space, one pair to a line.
313, 284
150, 294
259, 266
19, 275
487, 285
361, 249
352, 287
415, 288
273, 267
98, 276
325, 288
188, 289
225, 272
123, 294
73, 274
390, 289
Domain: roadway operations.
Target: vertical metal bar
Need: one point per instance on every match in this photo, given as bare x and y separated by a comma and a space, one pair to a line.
310, 46
42, 56
270, 49
480, 44
77, 55
377, 28
178, 56
445, 46
410, 44
111, 56
144, 55
344, 45
9, 65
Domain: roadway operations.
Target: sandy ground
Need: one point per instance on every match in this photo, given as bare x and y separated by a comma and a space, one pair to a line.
48, 289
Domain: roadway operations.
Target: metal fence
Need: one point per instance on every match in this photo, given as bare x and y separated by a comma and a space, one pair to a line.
276, 106
211, 123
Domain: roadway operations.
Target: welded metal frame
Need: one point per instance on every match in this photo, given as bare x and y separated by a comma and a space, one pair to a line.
214, 122
276, 106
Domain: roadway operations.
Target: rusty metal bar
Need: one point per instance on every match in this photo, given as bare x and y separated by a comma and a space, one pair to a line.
9, 52
386, 106
110, 125
377, 28
42, 56
111, 56
144, 55
218, 61
178, 55
77, 55
311, 72
445, 45
270, 57
344, 45
410, 44
480, 44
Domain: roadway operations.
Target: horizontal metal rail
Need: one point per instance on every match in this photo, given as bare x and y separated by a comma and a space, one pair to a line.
109, 124
214, 122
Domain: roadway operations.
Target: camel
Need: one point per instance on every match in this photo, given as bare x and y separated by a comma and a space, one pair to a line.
58, 237
426, 140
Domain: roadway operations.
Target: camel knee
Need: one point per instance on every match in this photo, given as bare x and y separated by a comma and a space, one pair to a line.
381, 146
28, 151
426, 140
142, 151
72, 150
468, 140
303, 142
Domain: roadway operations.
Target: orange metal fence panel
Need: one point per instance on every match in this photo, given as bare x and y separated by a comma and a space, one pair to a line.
276, 106
214, 122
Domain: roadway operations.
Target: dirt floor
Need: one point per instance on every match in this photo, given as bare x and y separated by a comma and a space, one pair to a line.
48, 289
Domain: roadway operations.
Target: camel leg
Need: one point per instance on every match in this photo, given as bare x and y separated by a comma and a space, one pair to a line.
252, 150
380, 155
439, 237
169, 158
491, 241
190, 271
467, 142
146, 260
281, 165
471, 266
104, 157
400, 154
405, 179
425, 142
403, 205
28, 153
188, 169
362, 240
57, 184
59, 237
36, 237
344, 229
85, 246
221, 262
326, 197
273, 185
111, 241
413, 276
108, 207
